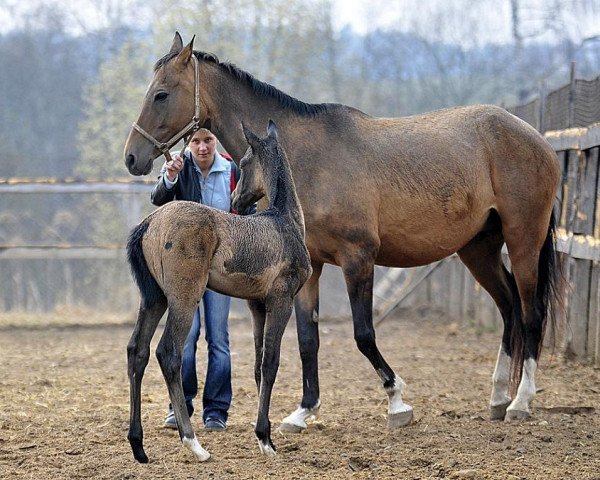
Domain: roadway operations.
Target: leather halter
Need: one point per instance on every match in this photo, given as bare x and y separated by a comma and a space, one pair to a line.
193, 125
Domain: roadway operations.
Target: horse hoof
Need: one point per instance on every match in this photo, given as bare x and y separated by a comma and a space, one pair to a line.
498, 412
401, 419
515, 415
290, 428
266, 449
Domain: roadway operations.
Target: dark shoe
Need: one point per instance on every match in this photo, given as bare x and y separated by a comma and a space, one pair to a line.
214, 425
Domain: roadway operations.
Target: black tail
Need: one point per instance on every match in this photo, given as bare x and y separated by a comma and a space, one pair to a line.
548, 303
150, 291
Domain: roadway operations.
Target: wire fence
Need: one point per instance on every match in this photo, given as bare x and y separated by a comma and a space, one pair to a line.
576, 104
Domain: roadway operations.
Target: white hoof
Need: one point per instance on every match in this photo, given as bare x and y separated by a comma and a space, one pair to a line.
193, 445
401, 418
266, 449
296, 422
516, 415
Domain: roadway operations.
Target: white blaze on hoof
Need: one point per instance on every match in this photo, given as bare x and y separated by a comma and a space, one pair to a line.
400, 414
296, 422
498, 412
400, 419
266, 449
193, 445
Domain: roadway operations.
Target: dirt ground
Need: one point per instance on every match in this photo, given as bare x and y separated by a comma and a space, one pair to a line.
64, 403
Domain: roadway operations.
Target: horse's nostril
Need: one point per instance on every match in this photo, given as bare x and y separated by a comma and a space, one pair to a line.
129, 161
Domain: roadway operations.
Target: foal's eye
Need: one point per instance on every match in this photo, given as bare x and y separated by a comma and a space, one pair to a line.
160, 96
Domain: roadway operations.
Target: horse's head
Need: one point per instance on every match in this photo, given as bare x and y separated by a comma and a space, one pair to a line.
168, 108
254, 165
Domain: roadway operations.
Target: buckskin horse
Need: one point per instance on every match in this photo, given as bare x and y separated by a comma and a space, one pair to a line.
398, 192
184, 247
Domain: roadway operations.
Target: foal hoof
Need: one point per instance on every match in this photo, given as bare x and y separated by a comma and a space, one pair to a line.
266, 449
400, 419
515, 415
296, 422
498, 412
193, 445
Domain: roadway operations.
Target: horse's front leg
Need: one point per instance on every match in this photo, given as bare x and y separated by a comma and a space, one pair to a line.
138, 354
169, 354
278, 313
358, 274
306, 306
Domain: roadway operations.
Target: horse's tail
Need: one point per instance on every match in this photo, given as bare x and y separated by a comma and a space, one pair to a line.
548, 304
150, 291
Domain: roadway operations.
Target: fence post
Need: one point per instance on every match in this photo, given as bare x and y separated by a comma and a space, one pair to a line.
571, 119
542, 107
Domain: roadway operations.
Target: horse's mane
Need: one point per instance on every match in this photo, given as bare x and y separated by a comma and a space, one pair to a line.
258, 87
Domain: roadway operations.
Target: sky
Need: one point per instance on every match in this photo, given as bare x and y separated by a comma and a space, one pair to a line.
437, 19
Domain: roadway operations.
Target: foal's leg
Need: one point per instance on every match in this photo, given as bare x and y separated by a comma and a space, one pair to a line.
359, 282
278, 313
138, 354
307, 326
259, 312
169, 354
483, 258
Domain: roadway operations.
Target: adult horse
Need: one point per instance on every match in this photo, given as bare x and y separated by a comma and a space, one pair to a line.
398, 192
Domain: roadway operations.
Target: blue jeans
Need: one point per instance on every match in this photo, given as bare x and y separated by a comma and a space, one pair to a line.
217, 387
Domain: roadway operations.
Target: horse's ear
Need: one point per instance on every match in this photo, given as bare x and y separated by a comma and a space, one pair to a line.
272, 129
251, 138
184, 56
177, 44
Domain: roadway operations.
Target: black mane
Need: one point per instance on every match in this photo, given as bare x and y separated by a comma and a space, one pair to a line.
258, 87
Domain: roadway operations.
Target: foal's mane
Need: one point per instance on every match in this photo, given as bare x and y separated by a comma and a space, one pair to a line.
260, 88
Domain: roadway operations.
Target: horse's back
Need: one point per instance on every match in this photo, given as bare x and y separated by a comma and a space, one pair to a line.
419, 188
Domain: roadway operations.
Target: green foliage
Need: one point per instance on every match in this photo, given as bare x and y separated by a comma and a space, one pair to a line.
112, 102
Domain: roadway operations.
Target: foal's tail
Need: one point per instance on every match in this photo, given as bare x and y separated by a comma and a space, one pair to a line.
548, 304
150, 291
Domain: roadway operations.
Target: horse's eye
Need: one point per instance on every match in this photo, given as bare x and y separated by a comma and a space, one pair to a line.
159, 97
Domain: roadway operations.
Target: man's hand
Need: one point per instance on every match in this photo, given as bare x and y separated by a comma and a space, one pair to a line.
174, 167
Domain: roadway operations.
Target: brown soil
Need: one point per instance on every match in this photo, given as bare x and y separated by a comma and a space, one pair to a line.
64, 410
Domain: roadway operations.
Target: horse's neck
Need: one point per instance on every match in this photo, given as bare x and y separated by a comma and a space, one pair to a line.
232, 102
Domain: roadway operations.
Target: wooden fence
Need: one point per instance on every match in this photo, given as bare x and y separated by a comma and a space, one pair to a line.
449, 286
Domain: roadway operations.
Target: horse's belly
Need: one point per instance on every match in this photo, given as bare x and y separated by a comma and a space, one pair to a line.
237, 285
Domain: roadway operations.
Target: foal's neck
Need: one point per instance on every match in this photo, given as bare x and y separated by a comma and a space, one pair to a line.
282, 193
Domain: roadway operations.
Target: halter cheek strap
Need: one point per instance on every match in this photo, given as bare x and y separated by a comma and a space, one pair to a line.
192, 126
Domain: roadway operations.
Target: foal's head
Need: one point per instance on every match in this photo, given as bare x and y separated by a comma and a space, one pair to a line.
258, 167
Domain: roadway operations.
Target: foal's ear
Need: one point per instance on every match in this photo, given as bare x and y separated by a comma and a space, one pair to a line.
177, 44
251, 138
184, 56
272, 129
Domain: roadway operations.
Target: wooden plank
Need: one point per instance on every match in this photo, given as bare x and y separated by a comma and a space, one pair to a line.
586, 200
571, 193
591, 138
594, 315
560, 205
568, 139
67, 253
578, 307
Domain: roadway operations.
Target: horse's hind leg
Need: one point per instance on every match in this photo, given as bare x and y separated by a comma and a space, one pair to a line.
529, 241
306, 306
138, 353
169, 354
358, 273
482, 256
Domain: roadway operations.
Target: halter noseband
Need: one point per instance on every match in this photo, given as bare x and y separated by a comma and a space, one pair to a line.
193, 125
